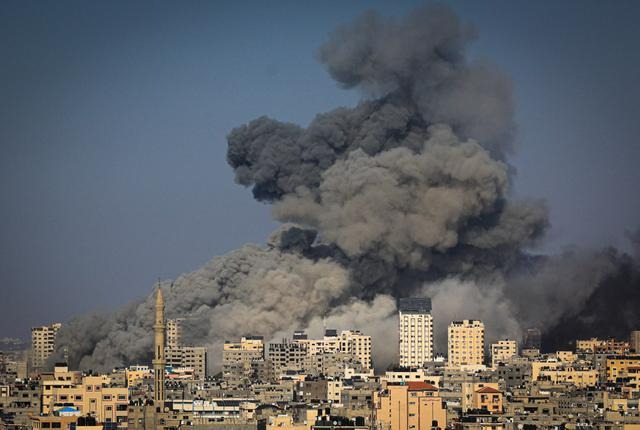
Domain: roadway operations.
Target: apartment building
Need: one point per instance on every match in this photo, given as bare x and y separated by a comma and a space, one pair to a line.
466, 343
416, 331
410, 405
240, 359
43, 342
503, 350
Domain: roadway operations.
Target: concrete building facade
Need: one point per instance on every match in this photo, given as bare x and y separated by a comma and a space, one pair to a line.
416, 331
192, 357
240, 359
174, 332
466, 343
502, 351
43, 343
407, 406
634, 341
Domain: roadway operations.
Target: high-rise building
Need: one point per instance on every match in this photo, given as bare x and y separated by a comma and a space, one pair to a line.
416, 331
178, 355
634, 341
174, 332
466, 343
503, 350
43, 342
532, 339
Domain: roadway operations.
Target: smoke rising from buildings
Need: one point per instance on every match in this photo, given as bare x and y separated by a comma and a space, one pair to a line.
406, 193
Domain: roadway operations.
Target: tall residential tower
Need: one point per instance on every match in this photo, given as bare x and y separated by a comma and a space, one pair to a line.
416, 331
43, 343
466, 343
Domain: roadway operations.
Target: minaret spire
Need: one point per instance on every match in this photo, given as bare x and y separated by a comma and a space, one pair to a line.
159, 360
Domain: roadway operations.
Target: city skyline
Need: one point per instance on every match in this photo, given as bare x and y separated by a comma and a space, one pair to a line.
319, 216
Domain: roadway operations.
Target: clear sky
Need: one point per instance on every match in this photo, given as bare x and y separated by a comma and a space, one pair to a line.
113, 117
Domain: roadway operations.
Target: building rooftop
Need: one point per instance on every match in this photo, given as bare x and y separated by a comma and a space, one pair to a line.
488, 390
419, 305
421, 386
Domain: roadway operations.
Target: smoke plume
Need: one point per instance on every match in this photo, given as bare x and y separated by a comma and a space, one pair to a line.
406, 193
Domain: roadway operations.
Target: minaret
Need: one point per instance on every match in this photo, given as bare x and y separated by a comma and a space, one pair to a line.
159, 361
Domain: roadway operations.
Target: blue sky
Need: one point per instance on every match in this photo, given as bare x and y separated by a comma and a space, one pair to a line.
113, 117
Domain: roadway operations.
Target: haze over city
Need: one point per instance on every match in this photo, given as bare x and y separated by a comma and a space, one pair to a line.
115, 116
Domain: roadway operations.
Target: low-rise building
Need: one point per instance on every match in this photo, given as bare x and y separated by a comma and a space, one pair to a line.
411, 405
503, 350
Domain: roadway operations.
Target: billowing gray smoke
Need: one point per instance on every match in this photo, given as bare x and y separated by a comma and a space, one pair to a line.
414, 177
251, 290
405, 193
418, 70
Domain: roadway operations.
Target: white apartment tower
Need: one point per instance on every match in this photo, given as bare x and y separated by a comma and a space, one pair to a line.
466, 343
43, 342
416, 331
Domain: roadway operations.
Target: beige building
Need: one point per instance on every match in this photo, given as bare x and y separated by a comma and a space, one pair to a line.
43, 342
90, 395
602, 346
502, 351
406, 375
538, 366
621, 366
566, 356
52, 421
174, 332
239, 359
466, 343
286, 421
581, 378
353, 342
489, 399
468, 390
348, 342
135, 375
286, 356
408, 406
415, 331
60, 378
192, 357
634, 341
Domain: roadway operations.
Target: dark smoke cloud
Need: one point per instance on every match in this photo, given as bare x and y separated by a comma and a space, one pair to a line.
608, 310
423, 58
418, 70
406, 193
